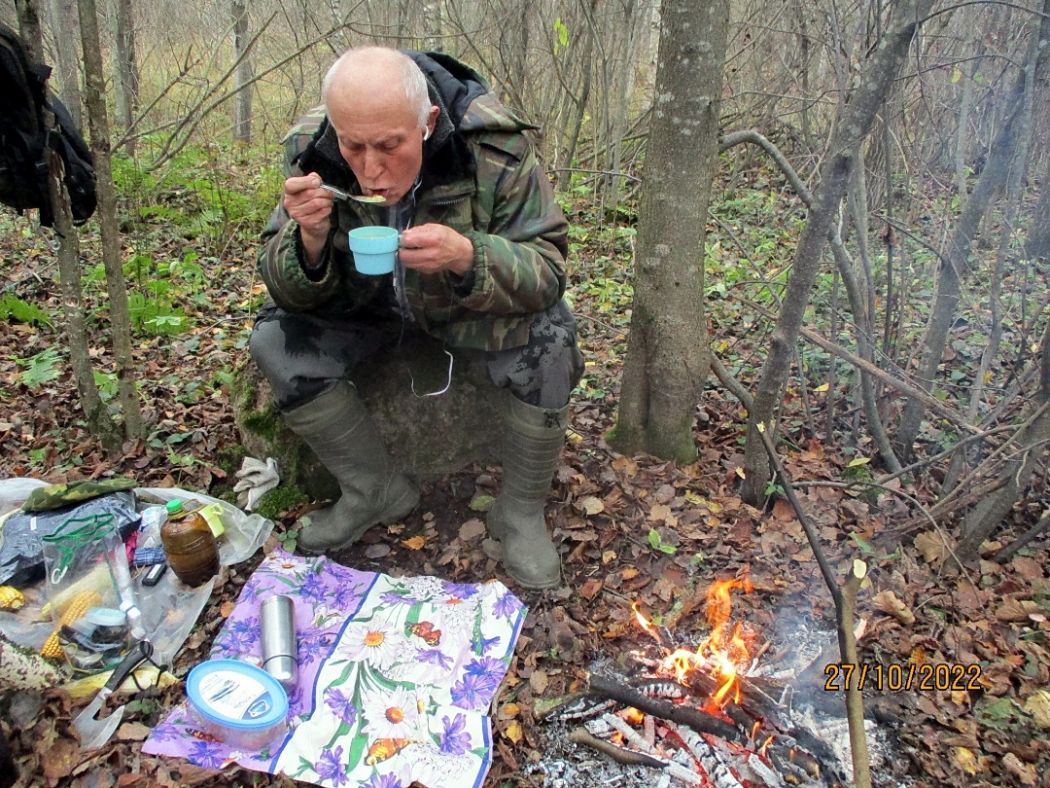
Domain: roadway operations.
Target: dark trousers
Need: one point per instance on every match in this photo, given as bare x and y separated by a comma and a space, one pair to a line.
303, 355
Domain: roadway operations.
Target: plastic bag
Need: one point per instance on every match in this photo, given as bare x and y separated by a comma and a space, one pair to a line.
89, 591
21, 551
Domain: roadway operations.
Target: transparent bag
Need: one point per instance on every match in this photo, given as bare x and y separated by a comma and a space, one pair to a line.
91, 599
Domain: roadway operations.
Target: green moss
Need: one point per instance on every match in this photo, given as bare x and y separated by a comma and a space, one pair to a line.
267, 424
279, 500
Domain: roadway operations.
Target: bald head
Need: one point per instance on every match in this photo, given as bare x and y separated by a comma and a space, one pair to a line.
376, 75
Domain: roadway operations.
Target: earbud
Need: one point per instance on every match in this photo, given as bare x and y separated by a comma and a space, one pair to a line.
426, 134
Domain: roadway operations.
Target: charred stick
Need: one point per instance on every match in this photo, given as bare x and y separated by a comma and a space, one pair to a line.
720, 775
618, 754
579, 707
630, 735
699, 721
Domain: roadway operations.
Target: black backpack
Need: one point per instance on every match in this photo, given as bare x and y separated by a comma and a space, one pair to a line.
24, 138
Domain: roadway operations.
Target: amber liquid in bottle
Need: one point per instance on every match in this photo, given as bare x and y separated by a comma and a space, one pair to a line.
190, 545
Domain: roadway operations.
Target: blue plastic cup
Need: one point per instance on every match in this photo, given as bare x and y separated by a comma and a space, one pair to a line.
374, 249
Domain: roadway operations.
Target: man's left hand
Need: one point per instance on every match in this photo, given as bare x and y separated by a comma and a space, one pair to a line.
433, 248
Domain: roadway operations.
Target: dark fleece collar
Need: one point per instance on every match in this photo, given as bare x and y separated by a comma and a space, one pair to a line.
446, 157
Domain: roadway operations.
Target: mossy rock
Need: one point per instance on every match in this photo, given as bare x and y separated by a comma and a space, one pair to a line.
428, 436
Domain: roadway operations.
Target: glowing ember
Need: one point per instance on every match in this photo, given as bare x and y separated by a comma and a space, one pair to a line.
722, 653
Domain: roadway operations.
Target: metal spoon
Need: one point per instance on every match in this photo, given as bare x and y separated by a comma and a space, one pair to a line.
373, 199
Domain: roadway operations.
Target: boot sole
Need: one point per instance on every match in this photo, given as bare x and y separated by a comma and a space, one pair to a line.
400, 508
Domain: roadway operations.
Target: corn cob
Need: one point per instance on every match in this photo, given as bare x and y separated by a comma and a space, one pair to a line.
11, 598
82, 602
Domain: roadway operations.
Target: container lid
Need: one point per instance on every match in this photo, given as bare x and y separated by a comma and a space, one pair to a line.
173, 506
236, 695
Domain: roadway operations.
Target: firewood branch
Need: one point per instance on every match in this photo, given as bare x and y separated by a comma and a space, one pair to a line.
684, 715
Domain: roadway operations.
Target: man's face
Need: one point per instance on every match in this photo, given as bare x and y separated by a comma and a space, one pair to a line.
380, 138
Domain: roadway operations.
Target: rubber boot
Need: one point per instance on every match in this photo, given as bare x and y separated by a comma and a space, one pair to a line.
337, 427
532, 442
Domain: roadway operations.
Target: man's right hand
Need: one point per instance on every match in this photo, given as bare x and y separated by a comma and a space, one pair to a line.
311, 207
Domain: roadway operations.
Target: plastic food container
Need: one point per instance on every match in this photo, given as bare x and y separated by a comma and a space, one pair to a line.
237, 703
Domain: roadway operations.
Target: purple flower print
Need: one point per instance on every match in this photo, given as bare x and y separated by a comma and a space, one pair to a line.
454, 738
206, 754
488, 669
167, 731
471, 692
313, 647
399, 598
330, 766
345, 597
341, 704
460, 590
482, 645
507, 606
382, 781
433, 656
313, 588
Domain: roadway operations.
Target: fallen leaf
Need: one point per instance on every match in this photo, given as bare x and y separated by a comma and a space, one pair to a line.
482, 503
590, 588
888, 602
415, 542
538, 682
378, 550
629, 573
508, 711
227, 607
592, 505
1025, 772
513, 732
1017, 609
965, 760
661, 513
133, 731
931, 545
608, 556
471, 529
1029, 568
1038, 705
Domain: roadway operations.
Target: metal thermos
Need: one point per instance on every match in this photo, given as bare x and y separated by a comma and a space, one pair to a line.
280, 656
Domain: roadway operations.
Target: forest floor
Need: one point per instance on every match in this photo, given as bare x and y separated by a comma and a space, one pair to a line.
630, 529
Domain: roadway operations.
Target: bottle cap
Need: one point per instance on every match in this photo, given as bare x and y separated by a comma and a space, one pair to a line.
174, 506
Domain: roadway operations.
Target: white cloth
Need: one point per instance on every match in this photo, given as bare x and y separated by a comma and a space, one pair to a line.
255, 479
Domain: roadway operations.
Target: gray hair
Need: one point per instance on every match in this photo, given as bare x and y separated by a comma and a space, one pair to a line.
413, 83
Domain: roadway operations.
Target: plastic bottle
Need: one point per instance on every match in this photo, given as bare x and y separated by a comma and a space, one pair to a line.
190, 545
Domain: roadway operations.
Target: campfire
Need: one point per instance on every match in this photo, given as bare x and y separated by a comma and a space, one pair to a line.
699, 714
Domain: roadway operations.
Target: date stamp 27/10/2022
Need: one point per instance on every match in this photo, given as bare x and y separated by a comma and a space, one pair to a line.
902, 676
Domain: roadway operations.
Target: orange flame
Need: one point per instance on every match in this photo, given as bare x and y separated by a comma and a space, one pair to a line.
723, 652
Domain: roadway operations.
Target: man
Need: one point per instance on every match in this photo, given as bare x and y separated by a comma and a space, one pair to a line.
481, 266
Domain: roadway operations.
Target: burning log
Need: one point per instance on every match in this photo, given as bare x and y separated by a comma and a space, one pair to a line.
699, 721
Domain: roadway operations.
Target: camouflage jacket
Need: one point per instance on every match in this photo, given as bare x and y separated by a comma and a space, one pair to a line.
480, 177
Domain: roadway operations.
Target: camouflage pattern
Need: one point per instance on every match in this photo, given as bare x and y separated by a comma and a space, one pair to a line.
55, 496
302, 354
501, 200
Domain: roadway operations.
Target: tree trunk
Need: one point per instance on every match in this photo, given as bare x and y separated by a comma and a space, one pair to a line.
852, 124
126, 72
30, 30
107, 217
242, 124
64, 30
668, 355
1038, 245
989, 514
954, 270
98, 419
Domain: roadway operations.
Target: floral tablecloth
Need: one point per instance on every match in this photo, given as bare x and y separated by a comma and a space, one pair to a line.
395, 677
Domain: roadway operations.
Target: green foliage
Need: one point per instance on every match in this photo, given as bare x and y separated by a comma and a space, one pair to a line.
40, 368
657, 543
561, 35
14, 308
